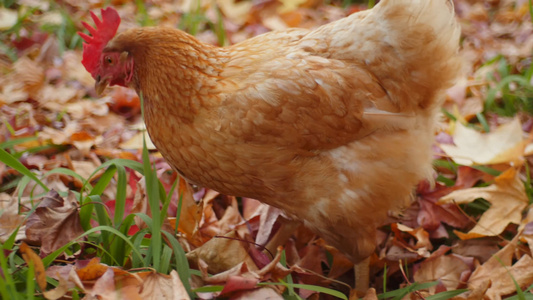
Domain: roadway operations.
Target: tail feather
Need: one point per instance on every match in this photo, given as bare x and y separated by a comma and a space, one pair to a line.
408, 45
425, 35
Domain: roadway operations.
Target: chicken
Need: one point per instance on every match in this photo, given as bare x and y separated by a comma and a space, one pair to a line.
332, 125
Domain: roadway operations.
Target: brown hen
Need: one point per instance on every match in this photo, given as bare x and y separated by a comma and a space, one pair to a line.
332, 125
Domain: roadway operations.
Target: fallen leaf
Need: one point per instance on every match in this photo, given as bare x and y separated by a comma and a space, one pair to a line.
8, 18
420, 234
502, 274
340, 263
290, 5
259, 293
238, 283
267, 218
92, 271
507, 197
159, 286
136, 142
236, 11
104, 286
59, 291
54, 223
10, 219
480, 249
369, 295
504, 144
190, 213
447, 270
31, 257
222, 253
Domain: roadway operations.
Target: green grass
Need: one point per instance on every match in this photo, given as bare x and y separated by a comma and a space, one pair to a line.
110, 238
511, 91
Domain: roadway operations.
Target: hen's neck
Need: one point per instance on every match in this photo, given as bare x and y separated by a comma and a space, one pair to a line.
175, 73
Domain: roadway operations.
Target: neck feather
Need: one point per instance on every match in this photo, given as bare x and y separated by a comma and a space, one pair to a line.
172, 70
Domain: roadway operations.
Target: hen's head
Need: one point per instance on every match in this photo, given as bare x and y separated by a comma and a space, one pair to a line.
106, 66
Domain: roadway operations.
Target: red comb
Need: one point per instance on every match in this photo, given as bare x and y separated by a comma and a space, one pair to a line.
105, 30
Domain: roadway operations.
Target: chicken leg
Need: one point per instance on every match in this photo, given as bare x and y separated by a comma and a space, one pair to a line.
362, 269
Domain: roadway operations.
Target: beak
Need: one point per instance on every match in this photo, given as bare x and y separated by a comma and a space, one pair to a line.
100, 84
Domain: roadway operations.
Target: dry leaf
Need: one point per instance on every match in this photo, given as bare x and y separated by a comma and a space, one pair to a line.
136, 142
260, 293
54, 223
290, 5
31, 257
503, 145
104, 286
268, 216
190, 213
8, 18
507, 197
480, 249
447, 269
159, 286
92, 271
10, 219
500, 271
222, 253
236, 11
369, 295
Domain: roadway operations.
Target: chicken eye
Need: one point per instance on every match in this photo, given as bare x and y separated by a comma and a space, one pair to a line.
108, 60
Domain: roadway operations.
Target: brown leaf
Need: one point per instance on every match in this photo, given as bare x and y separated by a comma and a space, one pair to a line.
159, 286
190, 213
222, 253
104, 286
59, 291
92, 271
54, 223
236, 11
481, 249
260, 293
369, 295
500, 271
10, 219
340, 263
31, 257
508, 199
447, 269
268, 216
238, 283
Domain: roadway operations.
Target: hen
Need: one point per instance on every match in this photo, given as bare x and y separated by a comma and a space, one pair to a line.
332, 125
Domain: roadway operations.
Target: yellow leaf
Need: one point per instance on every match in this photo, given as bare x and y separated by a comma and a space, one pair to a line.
31, 257
290, 5
236, 11
507, 197
136, 142
503, 145
8, 18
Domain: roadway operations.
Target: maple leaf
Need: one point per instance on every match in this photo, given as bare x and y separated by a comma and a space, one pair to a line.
507, 197
505, 144
448, 269
502, 274
54, 223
